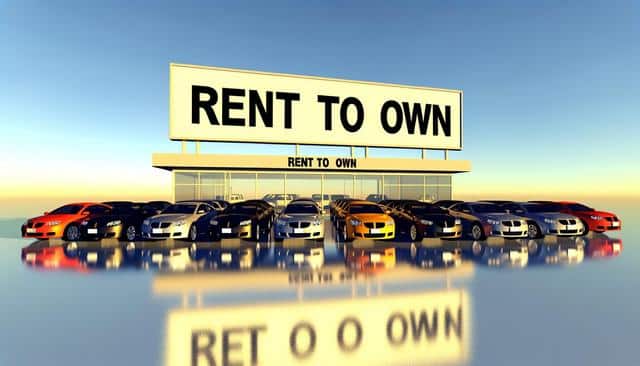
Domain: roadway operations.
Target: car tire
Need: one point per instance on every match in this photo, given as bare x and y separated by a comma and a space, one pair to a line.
586, 227
72, 232
130, 233
413, 233
193, 232
534, 231
476, 232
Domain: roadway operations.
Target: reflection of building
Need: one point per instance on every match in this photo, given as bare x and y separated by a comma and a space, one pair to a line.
201, 176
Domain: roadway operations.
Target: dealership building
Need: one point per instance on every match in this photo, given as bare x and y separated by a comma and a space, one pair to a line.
227, 105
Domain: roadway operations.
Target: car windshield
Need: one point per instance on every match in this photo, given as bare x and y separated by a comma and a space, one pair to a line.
365, 209
487, 208
422, 209
579, 207
180, 208
513, 208
543, 207
241, 209
66, 210
301, 209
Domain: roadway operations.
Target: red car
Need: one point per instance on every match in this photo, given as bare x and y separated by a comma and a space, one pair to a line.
63, 222
594, 220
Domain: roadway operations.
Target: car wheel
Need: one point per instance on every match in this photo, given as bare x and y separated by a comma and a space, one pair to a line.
476, 232
193, 232
414, 251
413, 233
534, 231
193, 249
477, 249
533, 247
72, 232
130, 233
586, 228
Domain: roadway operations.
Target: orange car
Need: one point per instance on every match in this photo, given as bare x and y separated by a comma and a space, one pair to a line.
63, 222
366, 220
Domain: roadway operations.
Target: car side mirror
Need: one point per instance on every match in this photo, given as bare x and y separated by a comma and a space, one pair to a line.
46, 213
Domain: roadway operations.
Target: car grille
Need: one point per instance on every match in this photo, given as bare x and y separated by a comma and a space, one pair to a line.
299, 224
512, 233
164, 235
299, 235
374, 235
162, 225
511, 223
568, 231
567, 222
446, 223
374, 225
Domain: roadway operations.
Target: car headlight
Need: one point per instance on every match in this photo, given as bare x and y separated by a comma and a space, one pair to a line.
180, 223
390, 222
355, 222
426, 222
245, 222
213, 222
457, 222
593, 217
146, 222
549, 221
493, 222
317, 222
114, 223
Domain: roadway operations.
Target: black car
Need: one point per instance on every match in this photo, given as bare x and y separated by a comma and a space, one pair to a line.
416, 220
122, 222
377, 198
250, 220
446, 203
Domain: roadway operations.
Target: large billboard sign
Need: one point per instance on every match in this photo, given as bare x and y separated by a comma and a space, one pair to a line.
422, 328
217, 104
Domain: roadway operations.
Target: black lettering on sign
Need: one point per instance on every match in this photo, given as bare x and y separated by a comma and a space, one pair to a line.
228, 106
384, 116
228, 346
266, 112
328, 100
293, 340
392, 337
344, 114
346, 163
444, 121
291, 161
451, 323
421, 325
288, 99
253, 331
207, 105
353, 345
415, 115
325, 162
198, 349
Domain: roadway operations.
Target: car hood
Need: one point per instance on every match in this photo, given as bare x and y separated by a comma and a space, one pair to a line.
437, 217
600, 213
500, 216
171, 217
372, 216
232, 219
298, 217
551, 215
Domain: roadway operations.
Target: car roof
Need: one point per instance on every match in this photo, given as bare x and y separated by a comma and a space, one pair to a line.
363, 202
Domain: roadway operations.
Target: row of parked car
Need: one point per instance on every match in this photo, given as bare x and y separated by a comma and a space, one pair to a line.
257, 220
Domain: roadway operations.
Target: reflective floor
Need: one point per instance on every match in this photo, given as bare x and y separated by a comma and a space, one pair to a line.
538, 302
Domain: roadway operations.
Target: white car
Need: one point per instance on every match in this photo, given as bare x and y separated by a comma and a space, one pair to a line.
301, 219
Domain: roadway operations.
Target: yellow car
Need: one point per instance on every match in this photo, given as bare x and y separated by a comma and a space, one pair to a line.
366, 220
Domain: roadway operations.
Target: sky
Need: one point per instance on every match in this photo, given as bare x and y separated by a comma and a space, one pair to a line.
550, 88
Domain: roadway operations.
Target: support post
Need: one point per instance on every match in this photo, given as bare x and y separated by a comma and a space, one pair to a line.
183, 145
424, 154
446, 155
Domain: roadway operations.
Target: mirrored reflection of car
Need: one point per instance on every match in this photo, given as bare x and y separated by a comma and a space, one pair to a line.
558, 251
495, 220
184, 220
300, 219
45, 256
602, 246
99, 255
509, 254
63, 222
416, 220
431, 253
161, 255
249, 220
545, 220
124, 221
593, 220
227, 254
299, 253
369, 255
365, 220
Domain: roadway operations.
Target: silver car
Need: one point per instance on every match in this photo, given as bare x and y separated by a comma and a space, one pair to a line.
543, 221
183, 220
496, 221
301, 219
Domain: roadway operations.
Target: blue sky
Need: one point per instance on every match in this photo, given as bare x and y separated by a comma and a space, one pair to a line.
551, 89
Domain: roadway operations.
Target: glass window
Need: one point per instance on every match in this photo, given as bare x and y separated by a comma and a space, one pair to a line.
185, 192
412, 179
180, 208
487, 208
365, 209
97, 210
186, 177
66, 210
301, 209
444, 193
579, 207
